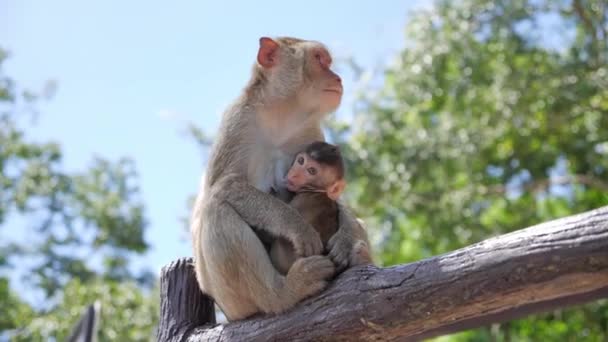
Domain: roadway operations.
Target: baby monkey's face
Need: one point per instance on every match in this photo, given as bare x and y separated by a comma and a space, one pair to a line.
307, 174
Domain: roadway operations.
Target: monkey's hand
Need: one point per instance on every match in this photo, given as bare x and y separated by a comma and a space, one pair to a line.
342, 243
306, 241
360, 255
340, 247
268, 213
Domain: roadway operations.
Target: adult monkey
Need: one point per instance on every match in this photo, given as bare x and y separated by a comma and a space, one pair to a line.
291, 90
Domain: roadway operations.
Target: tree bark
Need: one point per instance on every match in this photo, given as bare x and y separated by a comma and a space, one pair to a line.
551, 265
182, 304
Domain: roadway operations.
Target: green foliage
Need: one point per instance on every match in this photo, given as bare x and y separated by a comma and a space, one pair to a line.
127, 313
483, 126
67, 218
12, 309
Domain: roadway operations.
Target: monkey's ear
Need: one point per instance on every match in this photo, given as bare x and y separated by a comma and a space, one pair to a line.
336, 189
267, 54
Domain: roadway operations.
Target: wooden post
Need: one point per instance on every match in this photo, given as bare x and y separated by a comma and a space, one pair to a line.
183, 306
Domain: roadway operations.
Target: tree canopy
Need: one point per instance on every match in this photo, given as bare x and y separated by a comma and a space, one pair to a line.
493, 118
75, 234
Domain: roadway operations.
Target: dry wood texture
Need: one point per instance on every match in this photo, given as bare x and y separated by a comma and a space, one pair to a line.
550, 265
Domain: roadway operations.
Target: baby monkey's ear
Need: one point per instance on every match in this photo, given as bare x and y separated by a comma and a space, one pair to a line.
268, 52
335, 190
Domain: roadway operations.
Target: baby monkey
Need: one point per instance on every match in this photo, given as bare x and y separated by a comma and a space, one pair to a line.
317, 179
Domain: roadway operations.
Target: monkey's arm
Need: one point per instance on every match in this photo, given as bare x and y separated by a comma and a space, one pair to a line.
349, 232
318, 210
267, 213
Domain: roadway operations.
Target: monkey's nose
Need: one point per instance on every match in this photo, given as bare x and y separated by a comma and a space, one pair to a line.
338, 79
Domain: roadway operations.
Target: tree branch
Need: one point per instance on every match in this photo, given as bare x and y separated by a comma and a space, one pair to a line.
551, 265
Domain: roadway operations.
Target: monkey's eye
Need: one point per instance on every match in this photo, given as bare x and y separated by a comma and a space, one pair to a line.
312, 171
301, 160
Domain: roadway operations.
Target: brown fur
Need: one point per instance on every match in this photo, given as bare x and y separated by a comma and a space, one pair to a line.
318, 210
278, 114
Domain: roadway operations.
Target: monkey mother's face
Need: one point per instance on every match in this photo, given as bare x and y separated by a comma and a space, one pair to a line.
323, 88
300, 70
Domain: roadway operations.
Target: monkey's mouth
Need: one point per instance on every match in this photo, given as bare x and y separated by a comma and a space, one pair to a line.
289, 185
333, 90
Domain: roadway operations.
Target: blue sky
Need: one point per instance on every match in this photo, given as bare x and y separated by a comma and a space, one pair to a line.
131, 73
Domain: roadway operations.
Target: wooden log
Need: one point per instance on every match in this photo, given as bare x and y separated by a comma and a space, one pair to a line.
183, 306
551, 265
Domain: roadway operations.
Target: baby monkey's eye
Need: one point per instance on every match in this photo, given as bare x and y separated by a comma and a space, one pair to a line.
312, 171
301, 160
